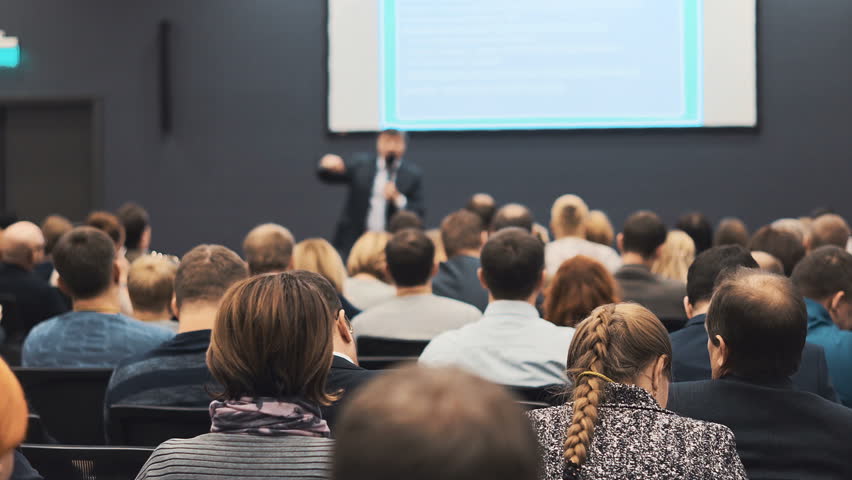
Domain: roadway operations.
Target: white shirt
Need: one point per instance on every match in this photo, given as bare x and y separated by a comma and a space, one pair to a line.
376, 214
509, 345
560, 250
414, 317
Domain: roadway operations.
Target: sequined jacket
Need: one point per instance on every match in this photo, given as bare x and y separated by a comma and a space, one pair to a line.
636, 439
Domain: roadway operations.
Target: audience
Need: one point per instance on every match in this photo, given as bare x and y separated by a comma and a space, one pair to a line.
599, 228
698, 228
13, 428
345, 376
367, 285
829, 229
428, 424
53, 227
757, 325
151, 285
768, 263
510, 344
137, 227
484, 206
403, 220
415, 313
513, 215
266, 422
21, 250
568, 223
676, 255
640, 243
318, 256
581, 285
463, 235
782, 244
691, 360
268, 248
616, 425
731, 231
824, 278
175, 373
95, 334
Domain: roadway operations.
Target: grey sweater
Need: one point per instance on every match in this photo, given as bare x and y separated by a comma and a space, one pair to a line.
234, 456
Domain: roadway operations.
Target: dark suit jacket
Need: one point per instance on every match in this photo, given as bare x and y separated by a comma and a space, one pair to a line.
360, 175
780, 432
691, 361
457, 279
35, 300
346, 376
662, 296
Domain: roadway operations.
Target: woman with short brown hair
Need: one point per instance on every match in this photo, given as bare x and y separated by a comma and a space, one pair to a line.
580, 285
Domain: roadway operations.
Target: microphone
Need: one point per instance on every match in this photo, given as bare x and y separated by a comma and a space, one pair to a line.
390, 165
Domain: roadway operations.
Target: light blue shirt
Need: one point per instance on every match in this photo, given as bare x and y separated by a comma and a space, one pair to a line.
89, 340
509, 345
838, 348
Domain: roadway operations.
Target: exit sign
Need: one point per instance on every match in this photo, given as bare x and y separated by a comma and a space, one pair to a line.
10, 51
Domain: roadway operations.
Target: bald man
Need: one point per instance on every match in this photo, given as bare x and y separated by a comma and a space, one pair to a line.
268, 248
27, 298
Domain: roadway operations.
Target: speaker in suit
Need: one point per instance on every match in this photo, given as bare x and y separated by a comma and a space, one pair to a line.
346, 377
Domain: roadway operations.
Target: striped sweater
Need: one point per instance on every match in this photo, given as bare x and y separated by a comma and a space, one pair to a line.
236, 456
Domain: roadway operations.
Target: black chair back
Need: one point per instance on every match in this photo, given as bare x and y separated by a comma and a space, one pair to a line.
551, 395
383, 363
13, 330
70, 401
150, 426
390, 347
35, 431
67, 462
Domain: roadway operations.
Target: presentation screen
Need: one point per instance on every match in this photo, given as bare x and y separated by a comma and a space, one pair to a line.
541, 64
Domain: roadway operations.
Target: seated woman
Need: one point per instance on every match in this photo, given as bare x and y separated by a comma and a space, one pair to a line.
616, 425
581, 285
676, 255
271, 351
318, 256
367, 285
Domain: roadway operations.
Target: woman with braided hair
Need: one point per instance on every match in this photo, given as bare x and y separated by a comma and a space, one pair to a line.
616, 426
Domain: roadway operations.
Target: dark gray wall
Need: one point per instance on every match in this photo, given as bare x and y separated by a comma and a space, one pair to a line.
250, 122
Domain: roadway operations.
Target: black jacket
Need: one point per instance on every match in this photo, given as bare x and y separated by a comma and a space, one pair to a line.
662, 296
345, 376
360, 175
34, 301
780, 432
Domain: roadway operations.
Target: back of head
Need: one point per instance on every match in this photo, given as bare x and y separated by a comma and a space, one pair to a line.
324, 287
513, 215
85, 260
13, 411
205, 273
403, 220
568, 216
512, 264
763, 322
580, 285
793, 225
410, 255
53, 227
272, 338
109, 224
705, 270
318, 256
268, 248
644, 232
731, 231
697, 226
22, 244
461, 230
484, 206
676, 255
618, 341
824, 272
368, 255
425, 424
151, 283
135, 220
599, 228
782, 244
829, 229
767, 262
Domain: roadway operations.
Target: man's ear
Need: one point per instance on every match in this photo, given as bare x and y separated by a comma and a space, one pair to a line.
63, 287
483, 238
344, 328
481, 278
116, 272
435, 267
619, 242
389, 276
836, 299
722, 358
173, 307
687, 307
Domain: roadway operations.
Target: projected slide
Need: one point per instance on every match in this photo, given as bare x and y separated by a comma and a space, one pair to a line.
540, 64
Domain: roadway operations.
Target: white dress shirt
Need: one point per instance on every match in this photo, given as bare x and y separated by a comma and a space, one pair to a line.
509, 345
376, 214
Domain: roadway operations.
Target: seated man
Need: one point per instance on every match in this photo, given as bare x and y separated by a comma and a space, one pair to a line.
415, 313
463, 235
484, 206
21, 250
829, 229
510, 344
824, 277
151, 285
757, 325
690, 360
568, 224
644, 233
175, 373
53, 227
431, 424
137, 227
269, 248
95, 334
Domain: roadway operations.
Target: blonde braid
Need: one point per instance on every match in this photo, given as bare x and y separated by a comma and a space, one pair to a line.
588, 390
